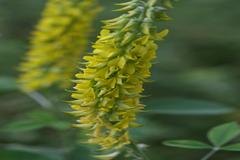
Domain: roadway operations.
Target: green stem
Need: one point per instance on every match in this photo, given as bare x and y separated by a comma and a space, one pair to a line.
40, 99
210, 154
139, 151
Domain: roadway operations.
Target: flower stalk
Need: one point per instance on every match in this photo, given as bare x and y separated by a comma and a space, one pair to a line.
210, 154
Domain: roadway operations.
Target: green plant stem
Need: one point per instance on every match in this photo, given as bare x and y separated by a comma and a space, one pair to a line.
210, 154
139, 151
40, 99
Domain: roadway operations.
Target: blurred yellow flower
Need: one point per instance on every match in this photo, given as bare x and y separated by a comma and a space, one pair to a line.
57, 43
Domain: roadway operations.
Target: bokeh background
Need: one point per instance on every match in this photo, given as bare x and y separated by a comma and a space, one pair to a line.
195, 85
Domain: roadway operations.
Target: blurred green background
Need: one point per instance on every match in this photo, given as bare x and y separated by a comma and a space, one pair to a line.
195, 85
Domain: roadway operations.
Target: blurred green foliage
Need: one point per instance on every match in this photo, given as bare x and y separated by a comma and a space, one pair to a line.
196, 72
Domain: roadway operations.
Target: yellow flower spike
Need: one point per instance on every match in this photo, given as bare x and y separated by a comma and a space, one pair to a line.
114, 74
57, 43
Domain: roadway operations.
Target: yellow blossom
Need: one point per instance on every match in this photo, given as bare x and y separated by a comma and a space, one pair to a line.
108, 88
57, 42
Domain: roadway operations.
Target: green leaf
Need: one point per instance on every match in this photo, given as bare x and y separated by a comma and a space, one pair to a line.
42, 116
181, 106
190, 144
36, 120
224, 133
232, 147
60, 125
7, 84
22, 126
21, 155
46, 152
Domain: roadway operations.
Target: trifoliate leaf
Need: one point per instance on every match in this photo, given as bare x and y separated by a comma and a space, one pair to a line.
224, 133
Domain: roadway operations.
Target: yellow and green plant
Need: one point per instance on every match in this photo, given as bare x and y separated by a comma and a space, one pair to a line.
109, 86
57, 43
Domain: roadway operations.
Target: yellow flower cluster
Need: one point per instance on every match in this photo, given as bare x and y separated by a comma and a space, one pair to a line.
60, 37
108, 89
